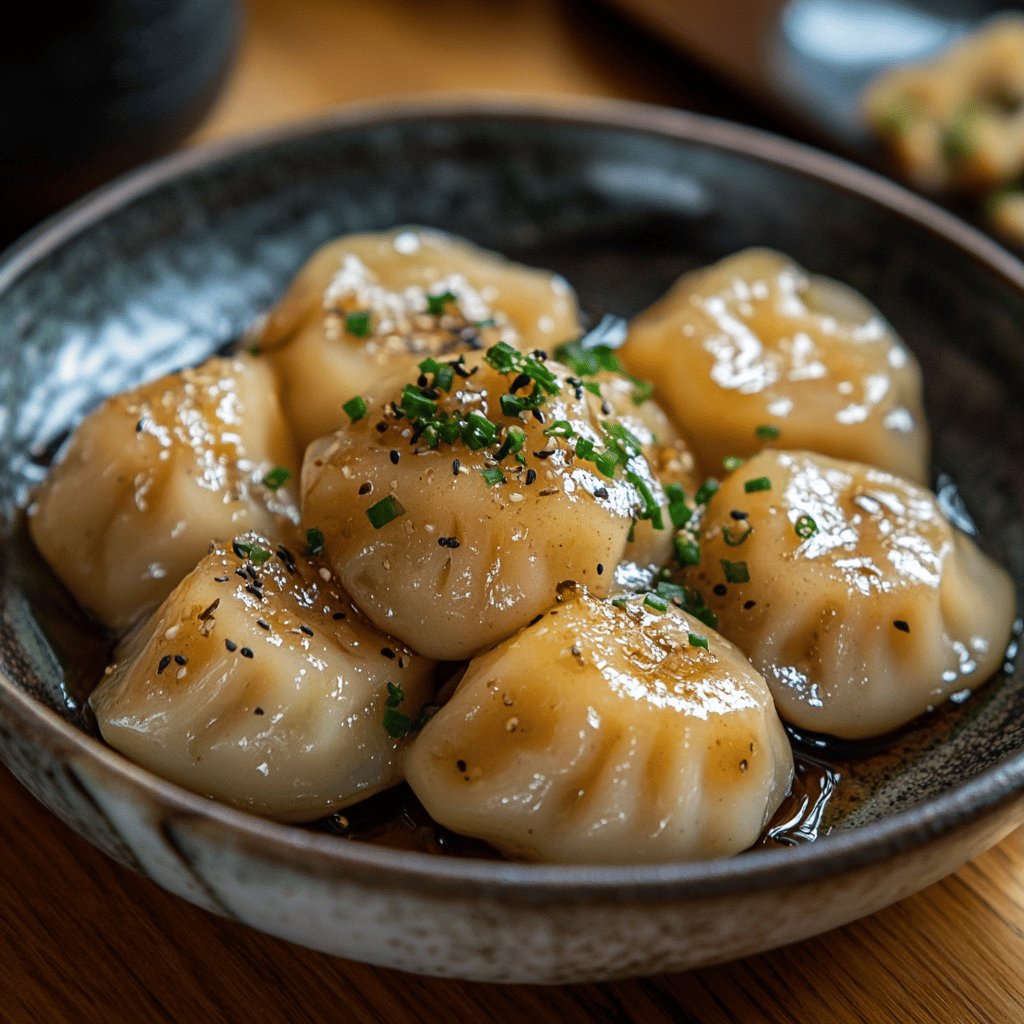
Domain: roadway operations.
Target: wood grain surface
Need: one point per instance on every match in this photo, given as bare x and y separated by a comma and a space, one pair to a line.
84, 940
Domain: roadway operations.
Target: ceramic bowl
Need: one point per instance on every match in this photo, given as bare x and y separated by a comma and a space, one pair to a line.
173, 263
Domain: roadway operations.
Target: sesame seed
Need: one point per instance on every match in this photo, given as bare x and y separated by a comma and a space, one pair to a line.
365, 488
531, 475
902, 625
246, 652
456, 465
600, 569
305, 629
258, 711
180, 659
394, 455
263, 624
164, 662
720, 589
231, 645
388, 653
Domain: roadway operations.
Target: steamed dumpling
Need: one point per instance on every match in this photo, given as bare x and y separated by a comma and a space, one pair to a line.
364, 302
154, 475
452, 549
259, 684
864, 607
605, 734
754, 351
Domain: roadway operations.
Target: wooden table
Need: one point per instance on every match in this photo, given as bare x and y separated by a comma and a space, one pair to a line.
85, 941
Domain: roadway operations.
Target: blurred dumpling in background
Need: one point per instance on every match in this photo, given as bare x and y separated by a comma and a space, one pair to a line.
851, 592
259, 684
753, 351
154, 475
606, 733
367, 304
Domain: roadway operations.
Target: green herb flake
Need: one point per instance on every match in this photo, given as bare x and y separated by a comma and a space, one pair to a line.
652, 510
259, 555
735, 572
671, 591
355, 409
731, 463
697, 640
759, 483
493, 475
276, 478
643, 391
384, 511
734, 536
687, 550
314, 541
706, 492
655, 603
766, 432
357, 323
436, 303
805, 527
678, 511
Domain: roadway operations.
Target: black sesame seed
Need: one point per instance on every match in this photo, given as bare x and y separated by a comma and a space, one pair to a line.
461, 765
601, 492
738, 515
338, 616
138, 427
220, 579
460, 369
239, 551
365, 488
448, 542
394, 455
456, 466
255, 591
421, 380
749, 604
246, 652
531, 475
258, 711
164, 662
263, 624
253, 574
720, 589
606, 407
180, 659
306, 630
522, 381
600, 568
544, 453
231, 645
381, 427
902, 625
537, 414
536, 619
388, 653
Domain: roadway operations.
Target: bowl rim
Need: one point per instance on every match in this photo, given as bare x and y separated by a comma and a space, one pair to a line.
325, 855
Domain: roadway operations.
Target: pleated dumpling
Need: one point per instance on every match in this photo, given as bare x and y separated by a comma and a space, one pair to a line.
452, 510
753, 351
606, 733
257, 683
851, 592
154, 475
366, 302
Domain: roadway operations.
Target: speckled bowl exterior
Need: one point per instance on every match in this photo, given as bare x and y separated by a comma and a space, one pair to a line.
175, 261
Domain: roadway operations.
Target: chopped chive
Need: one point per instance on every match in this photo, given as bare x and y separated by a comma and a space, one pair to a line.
314, 541
384, 511
620, 602
481, 324
759, 483
355, 409
358, 323
735, 572
276, 477
259, 555
731, 463
687, 551
671, 591
627, 441
493, 475
560, 428
706, 491
585, 448
436, 303
766, 432
655, 603
606, 463
697, 640
805, 527
396, 725
502, 357
678, 511
643, 391
415, 404
652, 510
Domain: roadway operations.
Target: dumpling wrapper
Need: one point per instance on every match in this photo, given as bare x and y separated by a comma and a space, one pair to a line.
604, 735
467, 562
754, 342
278, 706
154, 475
865, 607
385, 282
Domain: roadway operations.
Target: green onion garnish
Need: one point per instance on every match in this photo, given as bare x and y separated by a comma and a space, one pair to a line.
355, 409
314, 540
652, 510
687, 551
655, 603
358, 323
734, 537
735, 572
396, 725
276, 477
678, 511
436, 303
805, 527
258, 555
643, 391
382, 512
759, 483
493, 475
706, 492
766, 432
731, 463
697, 640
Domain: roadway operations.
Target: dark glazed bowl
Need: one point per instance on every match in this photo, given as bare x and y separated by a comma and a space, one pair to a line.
174, 262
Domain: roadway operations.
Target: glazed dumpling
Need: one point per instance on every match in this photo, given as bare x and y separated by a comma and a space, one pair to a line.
257, 683
851, 592
754, 351
365, 301
606, 733
454, 545
154, 475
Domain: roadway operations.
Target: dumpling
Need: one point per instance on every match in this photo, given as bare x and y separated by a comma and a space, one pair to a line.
606, 733
453, 545
754, 351
851, 592
259, 684
364, 302
154, 475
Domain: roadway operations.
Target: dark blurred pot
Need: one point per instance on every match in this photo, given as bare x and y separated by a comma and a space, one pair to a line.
88, 90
